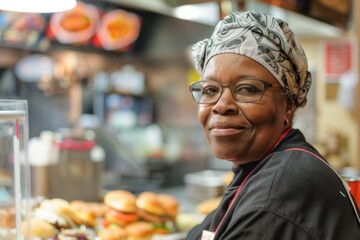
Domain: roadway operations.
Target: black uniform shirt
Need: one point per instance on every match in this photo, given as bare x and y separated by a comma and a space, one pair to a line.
291, 195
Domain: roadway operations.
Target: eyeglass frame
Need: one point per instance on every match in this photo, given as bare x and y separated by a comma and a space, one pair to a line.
266, 85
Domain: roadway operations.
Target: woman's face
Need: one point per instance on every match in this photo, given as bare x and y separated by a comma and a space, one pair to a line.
242, 132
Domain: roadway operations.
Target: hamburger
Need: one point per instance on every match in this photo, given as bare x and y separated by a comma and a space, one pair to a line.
98, 208
150, 208
139, 231
58, 220
112, 233
57, 212
170, 204
61, 207
159, 210
121, 208
85, 213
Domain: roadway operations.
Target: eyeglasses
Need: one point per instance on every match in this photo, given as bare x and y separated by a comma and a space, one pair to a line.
244, 90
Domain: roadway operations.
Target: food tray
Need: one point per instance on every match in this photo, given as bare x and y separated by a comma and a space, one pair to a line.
203, 185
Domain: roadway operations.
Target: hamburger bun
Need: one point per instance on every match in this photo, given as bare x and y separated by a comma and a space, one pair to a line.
54, 204
139, 231
84, 212
60, 206
170, 204
37, 228
207, 206
121, 200
98, 208
112, 233
150, 203
228, 177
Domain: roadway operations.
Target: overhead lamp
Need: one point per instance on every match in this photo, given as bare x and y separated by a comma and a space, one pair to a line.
37, 6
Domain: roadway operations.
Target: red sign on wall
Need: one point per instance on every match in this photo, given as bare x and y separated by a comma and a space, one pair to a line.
338, 58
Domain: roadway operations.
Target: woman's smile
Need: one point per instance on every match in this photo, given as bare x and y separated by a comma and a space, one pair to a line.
225, 129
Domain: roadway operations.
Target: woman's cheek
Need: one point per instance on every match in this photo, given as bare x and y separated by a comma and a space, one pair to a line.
203, 114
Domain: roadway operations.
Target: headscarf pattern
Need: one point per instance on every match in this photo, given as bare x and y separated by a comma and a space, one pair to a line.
267, 40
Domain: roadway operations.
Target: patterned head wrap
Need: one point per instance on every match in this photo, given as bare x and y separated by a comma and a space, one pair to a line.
265, 39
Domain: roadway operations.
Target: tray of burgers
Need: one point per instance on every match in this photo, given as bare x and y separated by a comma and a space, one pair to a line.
121, 215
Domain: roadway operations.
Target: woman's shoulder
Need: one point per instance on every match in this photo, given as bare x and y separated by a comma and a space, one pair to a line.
299, 188
292, 180
299, 164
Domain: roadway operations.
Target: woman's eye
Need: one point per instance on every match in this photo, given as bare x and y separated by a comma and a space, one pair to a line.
247, 90
210, 90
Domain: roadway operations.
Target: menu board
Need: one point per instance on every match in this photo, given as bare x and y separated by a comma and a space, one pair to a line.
23, 29
76, 26
118, 30
86, 24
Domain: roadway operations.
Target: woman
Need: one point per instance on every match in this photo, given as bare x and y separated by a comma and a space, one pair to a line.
253, 78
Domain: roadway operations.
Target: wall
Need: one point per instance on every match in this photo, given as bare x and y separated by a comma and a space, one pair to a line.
330, 115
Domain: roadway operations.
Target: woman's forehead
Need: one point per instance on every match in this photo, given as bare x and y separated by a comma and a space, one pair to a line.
234, 66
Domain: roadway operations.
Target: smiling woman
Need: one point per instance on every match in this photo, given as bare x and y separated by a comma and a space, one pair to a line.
254, 76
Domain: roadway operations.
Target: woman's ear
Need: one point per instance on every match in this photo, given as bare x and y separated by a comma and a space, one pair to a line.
290, 108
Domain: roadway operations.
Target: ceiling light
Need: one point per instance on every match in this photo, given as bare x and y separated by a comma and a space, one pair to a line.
207, 13
37, 6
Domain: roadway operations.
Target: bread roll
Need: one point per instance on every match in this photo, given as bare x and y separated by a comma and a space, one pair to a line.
170, 204
139, 231
207, 206
121, 200
37, 228
112, 233
149, 202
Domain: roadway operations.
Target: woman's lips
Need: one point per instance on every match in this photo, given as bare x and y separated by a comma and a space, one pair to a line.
221, 129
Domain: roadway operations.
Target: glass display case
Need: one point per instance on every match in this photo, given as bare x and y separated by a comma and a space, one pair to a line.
14, 168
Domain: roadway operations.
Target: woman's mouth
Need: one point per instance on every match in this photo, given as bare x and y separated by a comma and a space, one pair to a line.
221, 129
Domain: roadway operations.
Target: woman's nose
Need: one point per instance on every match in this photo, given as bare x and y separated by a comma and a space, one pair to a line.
226, 103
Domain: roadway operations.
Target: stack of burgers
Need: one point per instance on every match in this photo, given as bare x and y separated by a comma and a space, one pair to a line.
121, 215
59, 219
138, 218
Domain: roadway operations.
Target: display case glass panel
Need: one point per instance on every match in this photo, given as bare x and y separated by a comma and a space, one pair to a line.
14, 168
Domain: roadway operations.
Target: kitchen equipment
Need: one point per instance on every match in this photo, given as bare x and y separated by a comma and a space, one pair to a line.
76, 168
203, 185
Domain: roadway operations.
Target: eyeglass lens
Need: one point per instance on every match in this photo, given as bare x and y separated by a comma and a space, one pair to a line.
248, 90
